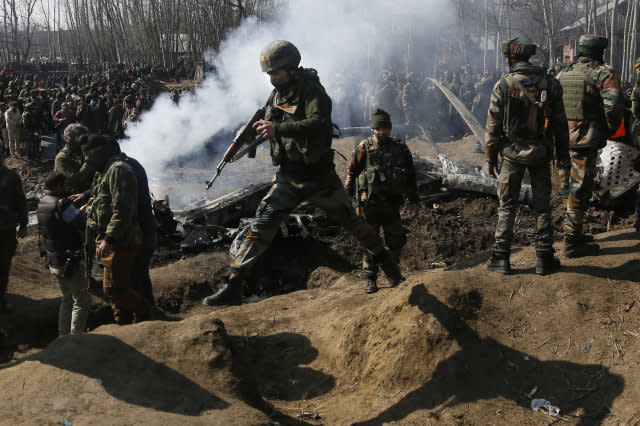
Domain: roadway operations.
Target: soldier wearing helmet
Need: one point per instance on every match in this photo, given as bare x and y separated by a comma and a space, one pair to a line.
594, 106
526, 123
69, 160
297, 124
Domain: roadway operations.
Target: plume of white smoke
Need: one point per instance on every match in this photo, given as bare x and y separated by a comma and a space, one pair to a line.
333, 36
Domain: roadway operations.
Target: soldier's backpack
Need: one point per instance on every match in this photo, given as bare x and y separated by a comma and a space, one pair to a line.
527, 113
580, 94
527, 120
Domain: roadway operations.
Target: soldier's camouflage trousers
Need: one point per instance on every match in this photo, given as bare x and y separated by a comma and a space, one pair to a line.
395, 237
284, 196
509, 183
577, 191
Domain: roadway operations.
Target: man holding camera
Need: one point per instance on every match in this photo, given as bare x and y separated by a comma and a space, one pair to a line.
61, 226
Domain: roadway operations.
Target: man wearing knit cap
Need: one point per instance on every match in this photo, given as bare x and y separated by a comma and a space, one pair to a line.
385, 174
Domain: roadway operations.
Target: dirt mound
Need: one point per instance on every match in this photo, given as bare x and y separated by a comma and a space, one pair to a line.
447, 346
147, 373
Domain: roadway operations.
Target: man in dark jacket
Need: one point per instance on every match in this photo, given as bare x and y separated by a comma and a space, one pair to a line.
61, 227
13, 213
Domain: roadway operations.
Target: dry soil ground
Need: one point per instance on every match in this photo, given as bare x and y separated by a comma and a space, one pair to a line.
456, 346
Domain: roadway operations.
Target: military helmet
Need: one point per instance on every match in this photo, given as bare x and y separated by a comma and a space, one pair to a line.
518, 48
593, 41
279, 54
73, 132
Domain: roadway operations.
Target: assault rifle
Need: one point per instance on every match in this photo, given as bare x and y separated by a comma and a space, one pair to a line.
246, 136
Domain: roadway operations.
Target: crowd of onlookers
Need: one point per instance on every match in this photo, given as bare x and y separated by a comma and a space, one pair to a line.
104, 98
414, 101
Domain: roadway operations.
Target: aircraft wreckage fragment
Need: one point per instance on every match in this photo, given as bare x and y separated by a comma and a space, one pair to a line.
225, 219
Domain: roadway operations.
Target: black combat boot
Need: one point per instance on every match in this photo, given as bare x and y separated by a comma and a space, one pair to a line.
371, 287
229, 294
547, 262
575, 247
499, 263
389, 267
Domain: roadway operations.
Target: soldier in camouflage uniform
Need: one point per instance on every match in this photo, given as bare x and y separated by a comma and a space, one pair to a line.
525, 119
13, 212
384, 169
594, 106
112, 216
297, 124
69, 160
635, 128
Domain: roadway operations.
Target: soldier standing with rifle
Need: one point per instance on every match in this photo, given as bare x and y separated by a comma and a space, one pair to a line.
525, 118
297, 124
594, 107
379, 175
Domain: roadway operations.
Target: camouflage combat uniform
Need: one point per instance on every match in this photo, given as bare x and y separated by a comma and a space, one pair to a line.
601, 119
13, 212
635, 128
112, 215
526, 147
385, 174
302, 149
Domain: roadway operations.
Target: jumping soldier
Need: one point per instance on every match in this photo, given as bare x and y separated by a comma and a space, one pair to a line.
525, 117
384, 168
297, 124
594, 106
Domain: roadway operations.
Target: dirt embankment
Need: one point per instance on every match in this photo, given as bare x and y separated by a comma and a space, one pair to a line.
445, 347
461, 346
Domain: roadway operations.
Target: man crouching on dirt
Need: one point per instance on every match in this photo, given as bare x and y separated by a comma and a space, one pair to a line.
112, 215
61, 226
384, 168
525, 116
297, 124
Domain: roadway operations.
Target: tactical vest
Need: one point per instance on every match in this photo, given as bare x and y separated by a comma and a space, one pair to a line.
59, 237
304, 153
383, 175
580, 94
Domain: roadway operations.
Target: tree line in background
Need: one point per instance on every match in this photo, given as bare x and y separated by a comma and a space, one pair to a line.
161, 32
553, 24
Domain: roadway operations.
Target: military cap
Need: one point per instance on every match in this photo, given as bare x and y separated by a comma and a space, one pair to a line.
13, 104
380, 119
53, 179
279, 54
518, 48
73, 132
